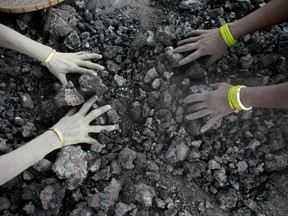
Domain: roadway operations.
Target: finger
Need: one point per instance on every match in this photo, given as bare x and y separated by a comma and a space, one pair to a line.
216, 85
186, 47
211, 122
196, 107
97, 112
85, 71
87, 105
91, 65
62, 79
71, 111
198, 114
212, 59
195, 97
190, 58
90, 141
87, 56
196, 32
188, 40
99, 128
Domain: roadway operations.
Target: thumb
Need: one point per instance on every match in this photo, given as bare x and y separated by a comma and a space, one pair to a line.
211, 122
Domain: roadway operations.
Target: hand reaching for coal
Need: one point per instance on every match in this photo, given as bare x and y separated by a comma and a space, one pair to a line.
214, 103
63, 63
202, 43
76, 126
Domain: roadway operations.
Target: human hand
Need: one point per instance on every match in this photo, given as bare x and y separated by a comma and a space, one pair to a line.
204, 42
213, 103
63, 63
76, 127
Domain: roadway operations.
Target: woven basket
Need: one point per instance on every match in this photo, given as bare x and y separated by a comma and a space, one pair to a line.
23, 6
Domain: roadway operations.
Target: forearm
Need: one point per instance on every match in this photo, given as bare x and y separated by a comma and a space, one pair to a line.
273, 13
17, 161
16, 41
274, 96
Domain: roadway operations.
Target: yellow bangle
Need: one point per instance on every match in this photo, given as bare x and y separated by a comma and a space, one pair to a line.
227, 36
234, 99
49, 58
60, 135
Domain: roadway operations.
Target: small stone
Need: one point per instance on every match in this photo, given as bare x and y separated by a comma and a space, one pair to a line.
246, 61
43, 165
119, 80
275, 162
177, 152
165, 35
92, 84
112, 66
121, 209
195, 169
156, 83
27, 101
126, 158
253, 144
150, 75
29, 130
196, 143
68, 96
5, 203
72, 166
172, 58
241, 166
195, 72
213, 165
144, 194
220, 176
72, 41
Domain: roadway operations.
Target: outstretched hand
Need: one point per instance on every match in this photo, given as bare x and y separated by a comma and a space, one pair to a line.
63, 63
76, 127
214, 103
202, 43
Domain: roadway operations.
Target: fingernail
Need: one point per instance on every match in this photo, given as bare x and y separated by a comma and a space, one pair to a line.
109, 107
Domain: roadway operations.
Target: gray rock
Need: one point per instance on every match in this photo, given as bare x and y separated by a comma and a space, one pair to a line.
160, 203
3, 146
92, 84
228, 199
195, 169
172, 58
5, 203
27, 101
194, 154
144, 194
165, 99
220, 176
150, 75
275, 162
177, 152
241, 166
196, 143
165, 35
196, 71
103, 174
121, 208
246, 61
61, 21
68, 97
72, 41
71, 165
213, 164
113, 116
43, 165
113, 189
119, 80
156, 83
253, 144
29, 130
112, 66
136, 110
126, 158
192, 5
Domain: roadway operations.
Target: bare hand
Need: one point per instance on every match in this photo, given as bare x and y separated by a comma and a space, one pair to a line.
204, 42
214, 103
63, 63
76, 126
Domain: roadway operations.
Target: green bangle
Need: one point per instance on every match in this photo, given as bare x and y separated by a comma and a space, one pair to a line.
227, 36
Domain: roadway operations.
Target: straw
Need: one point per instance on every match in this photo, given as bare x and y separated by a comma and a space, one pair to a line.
23, 6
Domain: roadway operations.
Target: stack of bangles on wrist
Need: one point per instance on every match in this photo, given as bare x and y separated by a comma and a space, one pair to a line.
234, 99
227, 36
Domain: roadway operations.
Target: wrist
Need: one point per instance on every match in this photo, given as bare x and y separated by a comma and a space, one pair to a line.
245, 97
52, 140
235, 30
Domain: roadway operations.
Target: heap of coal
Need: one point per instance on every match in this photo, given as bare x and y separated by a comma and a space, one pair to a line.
158, 163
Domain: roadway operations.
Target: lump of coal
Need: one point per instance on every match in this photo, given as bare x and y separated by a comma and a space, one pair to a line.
92, 84
151, 75
172, 58
144, 194
275, 162
68, 96
126, 158
71, 165
195, 72
61, 21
